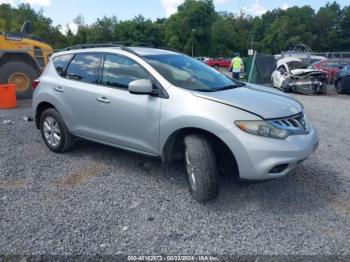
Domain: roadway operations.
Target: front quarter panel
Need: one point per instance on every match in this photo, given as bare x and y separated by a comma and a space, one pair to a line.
184, 110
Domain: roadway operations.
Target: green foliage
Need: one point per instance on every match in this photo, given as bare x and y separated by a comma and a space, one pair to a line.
191, 25
197, 25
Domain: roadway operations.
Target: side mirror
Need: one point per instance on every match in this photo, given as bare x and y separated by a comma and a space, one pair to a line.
141, 87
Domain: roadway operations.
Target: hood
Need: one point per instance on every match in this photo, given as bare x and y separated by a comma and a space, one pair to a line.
307, 72
259, 100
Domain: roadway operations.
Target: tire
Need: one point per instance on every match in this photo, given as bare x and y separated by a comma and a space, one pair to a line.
339, 87
323, 90
216, 67
201, 168
285, 87
22, 75
66, 140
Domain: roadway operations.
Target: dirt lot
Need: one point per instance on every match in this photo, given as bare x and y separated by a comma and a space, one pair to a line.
101, 200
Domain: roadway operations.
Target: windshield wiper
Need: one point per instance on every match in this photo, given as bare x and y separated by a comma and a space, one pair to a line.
204, 90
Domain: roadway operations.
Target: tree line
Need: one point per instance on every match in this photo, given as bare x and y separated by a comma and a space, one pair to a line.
198, 25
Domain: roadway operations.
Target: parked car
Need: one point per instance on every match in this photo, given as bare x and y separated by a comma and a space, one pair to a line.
219, 62
342, 80
202, 59
331, 66
167, 105
291, 75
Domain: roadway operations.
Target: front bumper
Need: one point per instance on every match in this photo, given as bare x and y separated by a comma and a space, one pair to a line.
259, 157
307, 83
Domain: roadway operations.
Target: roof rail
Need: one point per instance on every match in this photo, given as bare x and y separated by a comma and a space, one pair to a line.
133, 44
120, 45
169, 49
85, 46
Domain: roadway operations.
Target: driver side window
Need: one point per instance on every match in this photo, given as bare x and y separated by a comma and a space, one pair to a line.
282, 69
119, 71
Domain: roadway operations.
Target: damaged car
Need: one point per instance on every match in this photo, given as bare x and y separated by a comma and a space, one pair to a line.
291, 75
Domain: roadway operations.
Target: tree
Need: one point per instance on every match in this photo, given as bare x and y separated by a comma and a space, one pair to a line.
293, 27
102, 30
326, 27
197, 24
344, 29
191, 25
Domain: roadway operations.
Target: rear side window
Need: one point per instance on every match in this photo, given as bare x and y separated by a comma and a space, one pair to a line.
119, 71
84, 68
282, 69
61, 62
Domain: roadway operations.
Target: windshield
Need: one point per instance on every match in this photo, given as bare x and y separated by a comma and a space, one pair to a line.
188, 73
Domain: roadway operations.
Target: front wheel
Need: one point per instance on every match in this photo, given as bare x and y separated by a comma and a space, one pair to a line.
339, 87
272, 83
201, 168
54, 132
286, 87
323, 90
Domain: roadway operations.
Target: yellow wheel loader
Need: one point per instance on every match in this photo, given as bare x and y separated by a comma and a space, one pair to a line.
22, 59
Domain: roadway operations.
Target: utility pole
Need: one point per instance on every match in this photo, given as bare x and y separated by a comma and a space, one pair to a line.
252, 42
192, 33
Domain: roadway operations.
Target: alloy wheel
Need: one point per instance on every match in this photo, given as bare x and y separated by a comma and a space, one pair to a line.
190, 171
52, 131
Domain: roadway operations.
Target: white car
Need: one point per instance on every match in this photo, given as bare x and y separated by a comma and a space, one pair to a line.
291, 75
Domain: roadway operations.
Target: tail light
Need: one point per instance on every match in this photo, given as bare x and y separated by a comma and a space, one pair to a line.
35, 83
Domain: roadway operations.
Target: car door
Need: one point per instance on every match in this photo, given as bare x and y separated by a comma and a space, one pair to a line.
123, 119
77, 90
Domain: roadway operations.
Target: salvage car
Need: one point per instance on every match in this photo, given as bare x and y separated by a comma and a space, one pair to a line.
170, 106
291, 75
342, 80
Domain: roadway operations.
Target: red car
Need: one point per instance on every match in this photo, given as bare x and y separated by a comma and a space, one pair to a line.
331, 66
219, 62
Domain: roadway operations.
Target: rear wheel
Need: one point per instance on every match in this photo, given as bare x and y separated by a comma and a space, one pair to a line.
20, 74
216, 67
201, 168
54, 132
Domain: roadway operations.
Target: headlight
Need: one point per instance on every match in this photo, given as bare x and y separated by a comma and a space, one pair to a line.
262, 128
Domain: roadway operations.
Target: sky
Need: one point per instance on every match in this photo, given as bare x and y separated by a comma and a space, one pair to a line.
63, 12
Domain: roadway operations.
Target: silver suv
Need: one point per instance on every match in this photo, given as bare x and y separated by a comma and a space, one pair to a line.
167, 105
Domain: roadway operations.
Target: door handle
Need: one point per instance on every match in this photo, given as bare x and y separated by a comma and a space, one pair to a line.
59, 89
103, 100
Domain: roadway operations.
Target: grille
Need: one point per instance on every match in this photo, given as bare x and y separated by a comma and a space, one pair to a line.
296, 124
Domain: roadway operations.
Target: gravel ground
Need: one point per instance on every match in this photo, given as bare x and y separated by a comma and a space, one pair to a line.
100, 200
